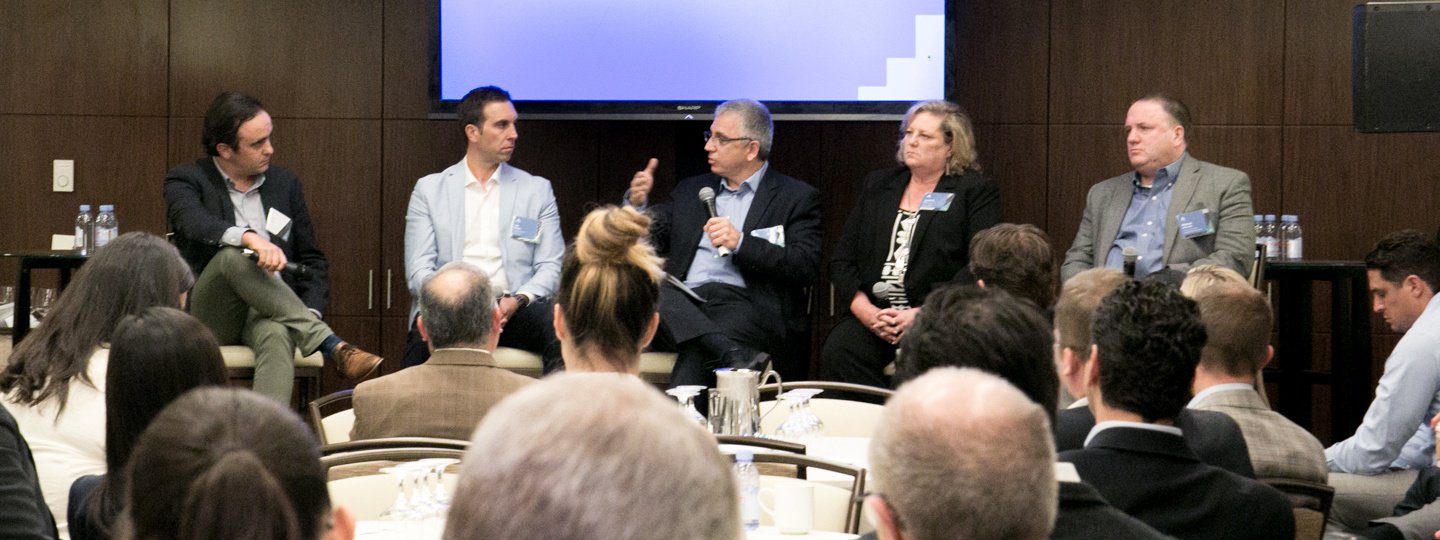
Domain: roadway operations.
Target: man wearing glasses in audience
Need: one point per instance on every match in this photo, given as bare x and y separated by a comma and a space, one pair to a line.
745, 261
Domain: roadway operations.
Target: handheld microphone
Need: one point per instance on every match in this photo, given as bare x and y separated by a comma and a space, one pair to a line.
881, 292
1131, 255
291, 268
707, 196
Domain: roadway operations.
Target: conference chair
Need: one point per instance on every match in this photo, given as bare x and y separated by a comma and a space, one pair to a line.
848, 410
837, 504
240, 364
332, 416
1311, 502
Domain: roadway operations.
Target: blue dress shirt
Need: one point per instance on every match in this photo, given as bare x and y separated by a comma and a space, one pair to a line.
1144, 225
735, 205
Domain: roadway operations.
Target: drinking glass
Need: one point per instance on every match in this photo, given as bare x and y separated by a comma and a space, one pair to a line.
686, 396
802, 426
7, 294
437, 466
40, 302
400, 509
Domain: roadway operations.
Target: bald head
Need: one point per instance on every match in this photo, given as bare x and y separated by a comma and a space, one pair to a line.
592, 456
457, 306
961, 453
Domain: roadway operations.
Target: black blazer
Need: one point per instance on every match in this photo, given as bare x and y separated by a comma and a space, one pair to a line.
1085, 515
199, 209
777, 276
940, 247
1155, 477
1213, 436
23, 511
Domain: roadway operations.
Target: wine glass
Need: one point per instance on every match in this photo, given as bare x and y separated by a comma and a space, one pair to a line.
802, 426
437, 465
40, 302
686, 396
401, 509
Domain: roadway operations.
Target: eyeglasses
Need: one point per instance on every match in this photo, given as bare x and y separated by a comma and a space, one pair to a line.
721, 139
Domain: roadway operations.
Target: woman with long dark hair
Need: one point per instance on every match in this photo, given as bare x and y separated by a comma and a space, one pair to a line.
55, 382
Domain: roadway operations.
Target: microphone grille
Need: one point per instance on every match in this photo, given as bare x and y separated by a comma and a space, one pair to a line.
707, 194
1130, 251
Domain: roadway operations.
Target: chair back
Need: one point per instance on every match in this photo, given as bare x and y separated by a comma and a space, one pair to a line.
840, 407
757, 442
837, 503
331, 416
1311, 502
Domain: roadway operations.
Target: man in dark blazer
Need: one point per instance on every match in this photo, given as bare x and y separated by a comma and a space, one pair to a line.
749, 265
233, 200
1148, 340
446, 396
1175, 210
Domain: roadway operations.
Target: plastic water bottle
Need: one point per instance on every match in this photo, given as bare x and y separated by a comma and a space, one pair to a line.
747, 479
106, 227
84, 230
1290, 238
1270, 236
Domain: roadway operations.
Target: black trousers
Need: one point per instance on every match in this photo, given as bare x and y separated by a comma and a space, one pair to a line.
727, 310
853, 354
532, 328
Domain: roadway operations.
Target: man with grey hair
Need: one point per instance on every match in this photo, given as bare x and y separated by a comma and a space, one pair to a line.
749, 255
619, 463
961, 453
446, 396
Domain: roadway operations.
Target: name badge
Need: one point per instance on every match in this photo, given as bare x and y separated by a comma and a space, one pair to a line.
1195, 224
525, 229
937, 201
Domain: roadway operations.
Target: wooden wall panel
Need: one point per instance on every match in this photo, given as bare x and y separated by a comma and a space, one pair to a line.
409, 36
125, 170
625, 147
1014, 155
1252, 149
1079, 157
105, 58
413, 149
1348, 199
565, 153
302, 59
1317, 62
1001, 60
1223, 58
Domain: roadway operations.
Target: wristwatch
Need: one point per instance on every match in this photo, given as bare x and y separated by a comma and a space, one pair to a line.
521, 300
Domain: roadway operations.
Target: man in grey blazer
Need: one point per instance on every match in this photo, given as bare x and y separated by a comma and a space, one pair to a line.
496, 217
1175, 210
448, 395
1237, 322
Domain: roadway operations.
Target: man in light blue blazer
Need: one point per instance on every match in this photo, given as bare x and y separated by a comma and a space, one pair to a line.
1175, 210
492, 215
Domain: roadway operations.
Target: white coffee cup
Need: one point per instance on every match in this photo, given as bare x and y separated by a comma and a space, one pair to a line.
794, 507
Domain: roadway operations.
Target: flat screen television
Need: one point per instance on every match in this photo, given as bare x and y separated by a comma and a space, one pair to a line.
677, 59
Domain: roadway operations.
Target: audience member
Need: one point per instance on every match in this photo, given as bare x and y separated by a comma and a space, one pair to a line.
224, 463
22, 504
1237, 322
54, 385
233, 199
1017, 259
495, 216
1174, 210
446, 396
155, 356
1148, 340
1371, 469
1205, 276
592, 456
910, 229
960, 453
990, 330
1215, 437
750, 262
605, 312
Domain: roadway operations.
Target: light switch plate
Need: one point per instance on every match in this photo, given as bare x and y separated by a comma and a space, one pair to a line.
64, 176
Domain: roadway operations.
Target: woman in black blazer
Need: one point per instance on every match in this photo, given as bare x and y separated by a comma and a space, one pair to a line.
908, 233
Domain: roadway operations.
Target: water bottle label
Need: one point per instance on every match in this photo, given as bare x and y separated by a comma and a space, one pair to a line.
1272, 247
1294, 248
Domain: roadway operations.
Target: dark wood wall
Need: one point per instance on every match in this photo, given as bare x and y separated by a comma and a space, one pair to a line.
119, 87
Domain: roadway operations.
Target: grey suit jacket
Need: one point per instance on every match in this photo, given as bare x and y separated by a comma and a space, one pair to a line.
444, 398
1223, 191
1278, 447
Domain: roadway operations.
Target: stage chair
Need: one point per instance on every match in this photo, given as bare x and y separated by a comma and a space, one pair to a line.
240, 364
1311, 502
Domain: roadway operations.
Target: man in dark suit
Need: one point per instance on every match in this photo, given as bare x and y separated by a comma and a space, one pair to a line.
1148, 340
750, 263
446, 396
233, 200
1175, 210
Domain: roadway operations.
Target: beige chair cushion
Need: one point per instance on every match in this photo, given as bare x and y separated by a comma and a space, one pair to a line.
831, 503
842, 418
240, 356
337, 426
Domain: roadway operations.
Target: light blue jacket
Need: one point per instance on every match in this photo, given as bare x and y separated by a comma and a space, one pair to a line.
435, 230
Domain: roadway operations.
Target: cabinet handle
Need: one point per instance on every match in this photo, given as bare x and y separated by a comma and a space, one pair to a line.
387, 288
832, 299
370, 290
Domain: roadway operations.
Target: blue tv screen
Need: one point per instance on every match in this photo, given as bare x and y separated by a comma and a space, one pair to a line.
677, 58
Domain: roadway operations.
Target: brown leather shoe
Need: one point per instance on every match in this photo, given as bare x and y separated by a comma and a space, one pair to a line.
354, 363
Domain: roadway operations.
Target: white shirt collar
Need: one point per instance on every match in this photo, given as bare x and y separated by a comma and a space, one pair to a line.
1227, 387
1102, 426
470, 179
